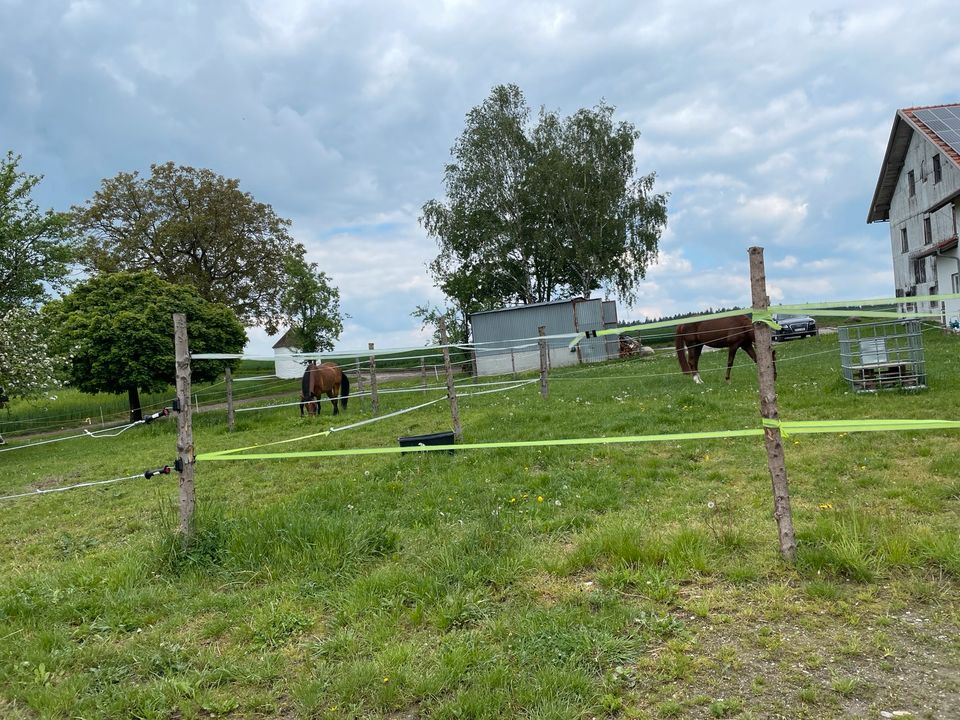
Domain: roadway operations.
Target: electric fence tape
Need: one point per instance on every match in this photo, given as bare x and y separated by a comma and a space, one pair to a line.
795, 427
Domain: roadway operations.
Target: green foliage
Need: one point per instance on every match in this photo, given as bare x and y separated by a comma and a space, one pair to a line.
35, 248
458, 329
311, 305
117, 330
192, 226
535, 214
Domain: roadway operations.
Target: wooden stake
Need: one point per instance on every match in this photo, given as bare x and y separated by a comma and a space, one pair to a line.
451, 389
769, 411
184, 428
544, 388
374, 400
228, 381
513, 363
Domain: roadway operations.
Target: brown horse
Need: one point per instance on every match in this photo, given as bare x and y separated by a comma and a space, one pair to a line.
319, 379
735, 333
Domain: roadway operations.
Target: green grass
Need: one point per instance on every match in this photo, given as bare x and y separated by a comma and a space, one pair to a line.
610, 581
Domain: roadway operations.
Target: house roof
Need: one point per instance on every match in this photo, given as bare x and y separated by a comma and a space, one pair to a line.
288, 340
906, 122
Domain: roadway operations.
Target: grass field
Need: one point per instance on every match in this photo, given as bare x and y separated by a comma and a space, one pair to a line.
627, 581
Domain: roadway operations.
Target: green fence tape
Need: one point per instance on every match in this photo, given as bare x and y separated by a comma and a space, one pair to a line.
846, 308
794, 427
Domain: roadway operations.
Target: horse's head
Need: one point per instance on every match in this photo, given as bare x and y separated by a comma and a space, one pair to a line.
308, 403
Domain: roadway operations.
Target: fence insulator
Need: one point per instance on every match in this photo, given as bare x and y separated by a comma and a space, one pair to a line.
165, 470
157, 415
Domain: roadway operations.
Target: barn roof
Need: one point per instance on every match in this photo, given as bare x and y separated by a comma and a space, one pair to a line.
531, 306
290, 339
938, 124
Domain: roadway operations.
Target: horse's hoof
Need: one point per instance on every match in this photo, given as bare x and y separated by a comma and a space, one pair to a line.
697, 380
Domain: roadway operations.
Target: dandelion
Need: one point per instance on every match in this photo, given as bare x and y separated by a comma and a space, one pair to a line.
557, 503
386, 679
513, 499
539, 498
711, 505
825, 506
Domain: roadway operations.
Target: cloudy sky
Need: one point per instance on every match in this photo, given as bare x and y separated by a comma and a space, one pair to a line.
766, 123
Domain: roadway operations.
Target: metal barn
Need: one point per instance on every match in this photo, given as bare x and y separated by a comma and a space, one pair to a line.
506, 338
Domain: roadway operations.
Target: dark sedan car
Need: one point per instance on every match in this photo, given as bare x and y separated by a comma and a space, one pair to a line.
794, 326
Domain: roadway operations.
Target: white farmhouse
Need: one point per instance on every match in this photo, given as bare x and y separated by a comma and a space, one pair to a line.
918, 193
284, 364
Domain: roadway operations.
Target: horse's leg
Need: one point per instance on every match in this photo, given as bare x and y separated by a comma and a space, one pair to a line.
332, 393
731, 354
694, 355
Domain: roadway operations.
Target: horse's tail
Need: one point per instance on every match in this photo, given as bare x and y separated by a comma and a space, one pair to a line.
305, 391
344, 389
681, 345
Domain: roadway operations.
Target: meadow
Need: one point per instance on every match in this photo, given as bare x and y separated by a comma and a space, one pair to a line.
620, 581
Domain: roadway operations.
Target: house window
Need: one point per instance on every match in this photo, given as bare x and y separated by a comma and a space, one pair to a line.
919, 271
955, 283
937, 172
912, 182
927, 231
904, 243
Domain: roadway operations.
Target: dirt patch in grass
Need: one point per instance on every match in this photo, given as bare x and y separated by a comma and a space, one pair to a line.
789, 657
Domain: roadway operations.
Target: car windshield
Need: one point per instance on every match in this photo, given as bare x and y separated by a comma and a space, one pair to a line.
783, 316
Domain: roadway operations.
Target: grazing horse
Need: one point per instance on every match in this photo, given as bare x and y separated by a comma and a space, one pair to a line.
319, 379
735, 333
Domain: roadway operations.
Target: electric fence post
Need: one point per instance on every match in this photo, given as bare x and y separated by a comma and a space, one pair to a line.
185, 454
228, 381
451, 388
542, 342
768, 409
374, 400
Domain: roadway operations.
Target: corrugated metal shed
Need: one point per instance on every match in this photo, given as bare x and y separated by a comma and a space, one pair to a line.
500, 334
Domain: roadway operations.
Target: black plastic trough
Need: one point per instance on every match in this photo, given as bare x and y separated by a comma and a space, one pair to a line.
438, 438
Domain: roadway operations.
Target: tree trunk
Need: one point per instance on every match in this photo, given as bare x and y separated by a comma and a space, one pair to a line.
136, 412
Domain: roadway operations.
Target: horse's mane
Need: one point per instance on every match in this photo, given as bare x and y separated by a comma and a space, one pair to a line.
305, 390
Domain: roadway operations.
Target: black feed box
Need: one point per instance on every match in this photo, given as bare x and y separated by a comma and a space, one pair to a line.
438, 438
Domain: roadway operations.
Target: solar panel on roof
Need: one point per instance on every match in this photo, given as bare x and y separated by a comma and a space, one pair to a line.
945, 122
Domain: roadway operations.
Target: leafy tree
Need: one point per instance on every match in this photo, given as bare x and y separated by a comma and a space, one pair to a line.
27, 366
538, 213
117, 331
36, 247
312, 306
604, 222
458, 330
192, 226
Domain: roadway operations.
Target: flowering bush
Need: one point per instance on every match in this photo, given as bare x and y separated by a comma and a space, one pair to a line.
27, 367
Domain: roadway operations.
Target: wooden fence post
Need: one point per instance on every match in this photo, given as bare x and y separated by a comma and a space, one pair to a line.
423, 374
451, 389
359, 377
374, 400
769, 411
544, 388
513, 363
185, 453
228, 381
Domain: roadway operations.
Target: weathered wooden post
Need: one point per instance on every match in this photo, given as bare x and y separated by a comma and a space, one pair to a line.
374, 400
513, 364
451, 388
423, 374
544, 388
228, 381
769, 411
184, 428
